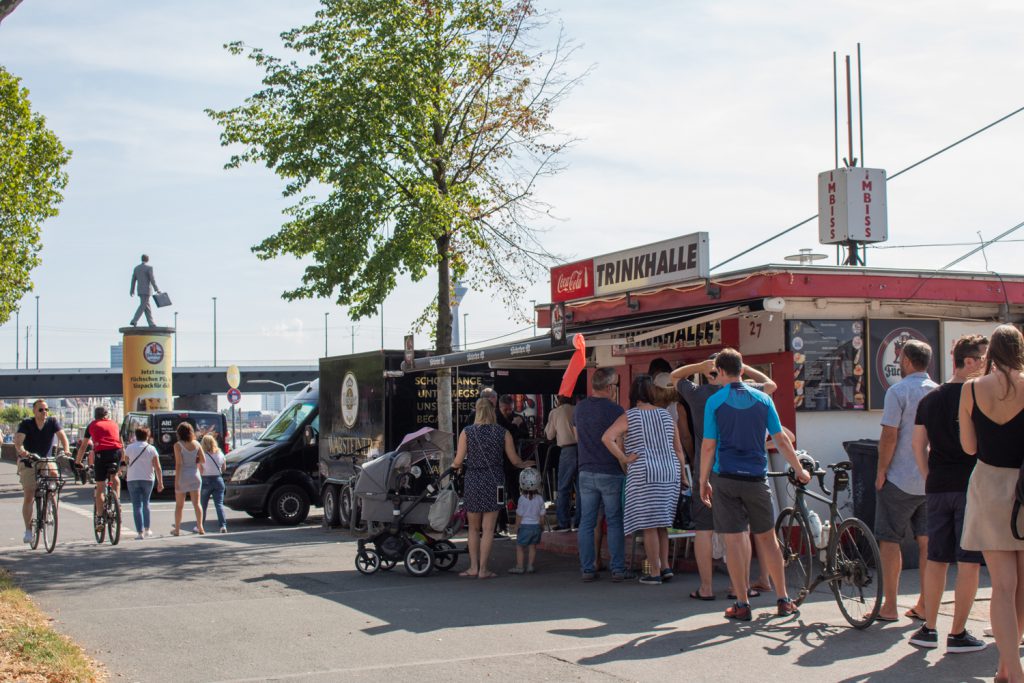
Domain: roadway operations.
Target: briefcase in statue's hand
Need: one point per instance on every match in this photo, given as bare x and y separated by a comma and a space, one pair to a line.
162, 299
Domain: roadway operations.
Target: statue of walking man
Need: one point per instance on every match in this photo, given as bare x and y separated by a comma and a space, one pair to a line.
143, 277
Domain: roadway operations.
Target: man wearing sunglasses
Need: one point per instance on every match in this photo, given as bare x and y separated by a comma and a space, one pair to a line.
36, 435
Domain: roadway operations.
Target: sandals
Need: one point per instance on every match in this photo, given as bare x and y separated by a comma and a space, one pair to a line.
175, 532
913, 614
697, 596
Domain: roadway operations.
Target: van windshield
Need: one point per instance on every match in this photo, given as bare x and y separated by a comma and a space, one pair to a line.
287, 422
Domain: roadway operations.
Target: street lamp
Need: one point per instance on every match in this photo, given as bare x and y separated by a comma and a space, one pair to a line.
214, 331
175, 339
284, 387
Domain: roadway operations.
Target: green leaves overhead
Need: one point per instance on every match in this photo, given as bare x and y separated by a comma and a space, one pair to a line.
411, 135
32, 180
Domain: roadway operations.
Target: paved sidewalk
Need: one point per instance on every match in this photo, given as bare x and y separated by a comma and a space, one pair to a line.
266, 603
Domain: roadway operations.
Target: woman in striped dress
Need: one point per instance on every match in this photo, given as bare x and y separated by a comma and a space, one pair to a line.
645, 441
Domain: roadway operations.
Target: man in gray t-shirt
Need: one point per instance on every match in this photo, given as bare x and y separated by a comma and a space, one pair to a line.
900, 503
695, 396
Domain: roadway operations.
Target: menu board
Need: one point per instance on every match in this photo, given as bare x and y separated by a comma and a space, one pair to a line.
828, 364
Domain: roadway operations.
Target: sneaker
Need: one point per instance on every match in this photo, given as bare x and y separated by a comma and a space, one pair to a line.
530, 569
666, 575
516, 570
588, 577
98, 523
149, 533
223, 529
786, 607
27, 538
963, 642
139, 537
927, 637
618, 577
649, 580
740, 612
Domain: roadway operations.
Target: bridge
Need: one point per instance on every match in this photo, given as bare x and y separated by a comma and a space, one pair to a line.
188, 381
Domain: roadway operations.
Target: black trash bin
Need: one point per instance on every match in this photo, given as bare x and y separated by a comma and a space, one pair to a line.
864, 457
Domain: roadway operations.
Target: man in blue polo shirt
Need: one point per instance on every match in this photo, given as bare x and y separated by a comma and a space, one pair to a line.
734, 465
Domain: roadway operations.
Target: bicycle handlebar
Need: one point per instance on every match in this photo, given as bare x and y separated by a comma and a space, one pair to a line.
818, 472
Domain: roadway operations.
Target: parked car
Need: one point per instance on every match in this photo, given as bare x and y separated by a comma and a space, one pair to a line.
162, 426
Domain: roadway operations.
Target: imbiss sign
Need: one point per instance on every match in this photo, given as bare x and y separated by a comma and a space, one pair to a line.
852, 205
663, 263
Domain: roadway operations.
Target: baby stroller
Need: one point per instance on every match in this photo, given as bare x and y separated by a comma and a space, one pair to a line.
408, 507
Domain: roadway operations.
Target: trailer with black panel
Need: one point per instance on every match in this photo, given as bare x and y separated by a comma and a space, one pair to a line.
368, 403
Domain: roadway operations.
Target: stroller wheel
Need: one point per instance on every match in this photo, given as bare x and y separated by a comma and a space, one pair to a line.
387, 564
367, 561
445, 555
419, 560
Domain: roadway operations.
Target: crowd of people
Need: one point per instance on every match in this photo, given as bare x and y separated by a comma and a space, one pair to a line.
199, 467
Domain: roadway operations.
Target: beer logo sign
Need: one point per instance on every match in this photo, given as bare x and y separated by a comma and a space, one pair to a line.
887, 358
349, 400
153, 352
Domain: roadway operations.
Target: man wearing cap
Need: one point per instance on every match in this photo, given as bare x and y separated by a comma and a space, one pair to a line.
696, 397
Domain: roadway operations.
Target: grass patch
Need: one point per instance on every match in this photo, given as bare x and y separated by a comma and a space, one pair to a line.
30, 650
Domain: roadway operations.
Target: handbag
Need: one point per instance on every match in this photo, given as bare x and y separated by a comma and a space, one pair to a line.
162, 299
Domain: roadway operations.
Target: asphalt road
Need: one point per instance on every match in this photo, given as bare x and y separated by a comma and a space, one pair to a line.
266, 603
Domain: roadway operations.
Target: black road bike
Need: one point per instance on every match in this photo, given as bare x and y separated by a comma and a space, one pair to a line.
47, 497
107, 523
848, 562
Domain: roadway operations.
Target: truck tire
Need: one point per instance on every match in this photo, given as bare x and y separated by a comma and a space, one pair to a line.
345, 501
289, 505
330, 497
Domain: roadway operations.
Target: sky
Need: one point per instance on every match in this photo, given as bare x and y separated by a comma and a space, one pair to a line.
696, 116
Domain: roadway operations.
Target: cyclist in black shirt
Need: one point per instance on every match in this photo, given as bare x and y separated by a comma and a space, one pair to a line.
36, 435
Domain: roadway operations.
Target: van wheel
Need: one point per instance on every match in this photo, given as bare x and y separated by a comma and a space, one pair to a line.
330, 506
289, 505
345, 506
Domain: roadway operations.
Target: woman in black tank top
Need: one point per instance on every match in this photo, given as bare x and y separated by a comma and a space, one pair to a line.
992, 426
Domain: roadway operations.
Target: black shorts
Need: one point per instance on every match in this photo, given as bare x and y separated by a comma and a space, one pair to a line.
106, 463
945, 526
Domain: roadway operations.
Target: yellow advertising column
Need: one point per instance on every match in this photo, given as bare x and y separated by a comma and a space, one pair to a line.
148, 368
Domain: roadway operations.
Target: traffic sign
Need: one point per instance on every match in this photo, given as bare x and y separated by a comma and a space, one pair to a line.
234, 376
234, 396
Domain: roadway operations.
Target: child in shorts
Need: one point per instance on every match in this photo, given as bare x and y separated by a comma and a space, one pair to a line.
529, 511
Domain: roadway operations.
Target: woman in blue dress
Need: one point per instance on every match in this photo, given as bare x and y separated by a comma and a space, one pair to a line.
645, 441
482, 445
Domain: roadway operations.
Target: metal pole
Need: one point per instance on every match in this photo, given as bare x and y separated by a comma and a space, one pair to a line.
353, 339
851, 161
214, 331
325, 333
835, 110
533, 315
27, 329
860, 109
382, 325
37, 331
17, 339
465, 331
175, 339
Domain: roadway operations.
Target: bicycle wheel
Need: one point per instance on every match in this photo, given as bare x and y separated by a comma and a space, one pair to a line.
858, 584
797, 551
113, 518
50, 522
99, 525
37, 523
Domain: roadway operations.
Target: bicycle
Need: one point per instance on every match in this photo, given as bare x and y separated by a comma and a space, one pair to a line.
107, 524
850, 561
47, 497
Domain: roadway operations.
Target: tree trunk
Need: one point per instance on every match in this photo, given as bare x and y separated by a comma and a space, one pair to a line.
444, 343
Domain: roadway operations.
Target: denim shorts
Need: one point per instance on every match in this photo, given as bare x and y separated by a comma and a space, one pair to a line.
528, 534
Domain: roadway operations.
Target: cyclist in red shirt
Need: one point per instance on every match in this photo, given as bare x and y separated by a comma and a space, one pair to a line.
108, 451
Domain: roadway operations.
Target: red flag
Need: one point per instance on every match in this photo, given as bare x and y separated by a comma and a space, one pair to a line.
576, 365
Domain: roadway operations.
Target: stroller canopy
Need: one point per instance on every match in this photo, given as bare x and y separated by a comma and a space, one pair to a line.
382, 474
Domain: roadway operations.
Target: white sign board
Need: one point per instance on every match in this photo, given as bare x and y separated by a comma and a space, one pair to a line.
662, 263
852, 205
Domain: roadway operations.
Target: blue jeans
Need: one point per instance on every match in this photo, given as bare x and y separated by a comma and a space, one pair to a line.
139, 490
598, 489
213, 485
567, 481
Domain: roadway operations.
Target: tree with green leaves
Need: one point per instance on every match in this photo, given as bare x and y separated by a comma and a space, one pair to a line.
412, 134
32, 180
13, 414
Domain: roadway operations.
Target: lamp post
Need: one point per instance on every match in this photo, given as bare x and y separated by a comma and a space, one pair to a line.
284, 387
17, 339
214, 331
465, 331
37, 331
533, 315
325, 332
175, 339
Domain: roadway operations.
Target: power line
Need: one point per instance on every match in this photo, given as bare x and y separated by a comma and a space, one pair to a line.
937, 244
892, 177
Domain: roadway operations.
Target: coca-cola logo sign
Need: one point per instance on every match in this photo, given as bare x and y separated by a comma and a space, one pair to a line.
572, 281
